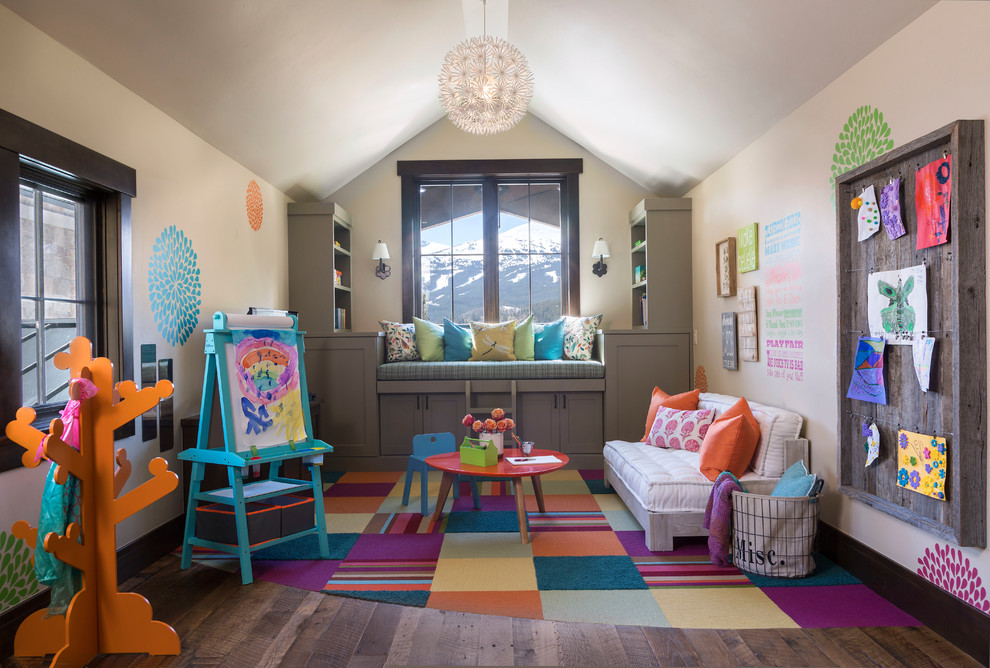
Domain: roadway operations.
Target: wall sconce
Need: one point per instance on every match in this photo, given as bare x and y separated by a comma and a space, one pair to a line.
601, 252
380, 253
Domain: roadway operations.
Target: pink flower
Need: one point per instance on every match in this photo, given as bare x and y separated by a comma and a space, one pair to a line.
468, 420
490, 425
478, 425
510, 423
502, 425
498, 414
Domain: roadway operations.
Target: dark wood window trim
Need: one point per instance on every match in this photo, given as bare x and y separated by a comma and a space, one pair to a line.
416, 172
114, 184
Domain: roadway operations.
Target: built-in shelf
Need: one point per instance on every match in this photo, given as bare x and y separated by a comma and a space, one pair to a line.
314, 227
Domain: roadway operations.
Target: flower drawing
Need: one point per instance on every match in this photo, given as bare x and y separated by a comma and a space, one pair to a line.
902, 477
173, 285
915, 479
902, 440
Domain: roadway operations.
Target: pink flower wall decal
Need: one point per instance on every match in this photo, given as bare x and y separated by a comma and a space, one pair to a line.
947, 568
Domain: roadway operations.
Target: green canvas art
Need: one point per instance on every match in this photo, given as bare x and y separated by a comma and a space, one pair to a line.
17, 580
864, 136
747, 257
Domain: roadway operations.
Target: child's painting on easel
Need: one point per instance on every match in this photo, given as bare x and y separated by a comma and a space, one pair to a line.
263, 369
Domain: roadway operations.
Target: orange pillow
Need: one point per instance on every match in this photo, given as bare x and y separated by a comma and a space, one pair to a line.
728, 446
686, 401
741, 407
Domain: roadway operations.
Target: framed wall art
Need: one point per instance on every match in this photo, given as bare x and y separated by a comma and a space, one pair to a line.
725, 267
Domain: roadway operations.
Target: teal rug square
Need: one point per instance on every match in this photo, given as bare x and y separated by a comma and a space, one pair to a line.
602, 572
482, 522
598, 487
307, 547
331, 476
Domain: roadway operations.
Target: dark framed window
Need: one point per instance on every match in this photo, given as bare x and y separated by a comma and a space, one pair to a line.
65, 261
490, 240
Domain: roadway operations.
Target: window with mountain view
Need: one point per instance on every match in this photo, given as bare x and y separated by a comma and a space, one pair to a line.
491, 247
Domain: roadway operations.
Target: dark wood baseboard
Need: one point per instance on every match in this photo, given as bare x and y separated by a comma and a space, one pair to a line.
131, 560
955, 620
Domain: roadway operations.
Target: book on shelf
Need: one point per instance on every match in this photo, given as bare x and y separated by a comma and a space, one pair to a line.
340, 318
643, 305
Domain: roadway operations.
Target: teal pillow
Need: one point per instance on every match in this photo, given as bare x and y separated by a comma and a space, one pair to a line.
548, 340
456, 342
524, 343
429, 340
796, 481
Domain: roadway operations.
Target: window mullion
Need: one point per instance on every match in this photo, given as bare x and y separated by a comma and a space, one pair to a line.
490, 231
39, 291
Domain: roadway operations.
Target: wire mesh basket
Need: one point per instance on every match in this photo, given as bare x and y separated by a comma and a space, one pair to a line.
774, 535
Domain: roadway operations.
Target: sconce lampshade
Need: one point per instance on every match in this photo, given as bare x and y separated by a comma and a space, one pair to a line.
601, 249
380, 252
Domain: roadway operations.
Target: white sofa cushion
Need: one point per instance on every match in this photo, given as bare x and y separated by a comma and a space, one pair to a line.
667, 480
776, 426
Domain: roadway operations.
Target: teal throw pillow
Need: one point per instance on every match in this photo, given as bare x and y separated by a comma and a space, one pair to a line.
429, 340
548, 340
796, 481
524, 343
456, 342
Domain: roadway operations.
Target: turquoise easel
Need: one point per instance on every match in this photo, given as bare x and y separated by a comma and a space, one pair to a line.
239, 452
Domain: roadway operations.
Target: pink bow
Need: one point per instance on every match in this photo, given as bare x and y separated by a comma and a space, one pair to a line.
70, 415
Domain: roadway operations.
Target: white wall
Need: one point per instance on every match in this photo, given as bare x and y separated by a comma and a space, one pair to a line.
930, 74
374, 202
181, 181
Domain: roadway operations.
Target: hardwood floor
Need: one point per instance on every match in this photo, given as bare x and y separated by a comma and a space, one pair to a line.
222, 623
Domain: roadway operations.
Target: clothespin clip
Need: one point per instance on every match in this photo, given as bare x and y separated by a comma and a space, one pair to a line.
254, 451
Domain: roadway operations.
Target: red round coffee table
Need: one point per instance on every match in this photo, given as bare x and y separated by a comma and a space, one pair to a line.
450, 464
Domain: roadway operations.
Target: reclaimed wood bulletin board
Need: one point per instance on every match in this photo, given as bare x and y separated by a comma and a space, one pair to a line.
955, 405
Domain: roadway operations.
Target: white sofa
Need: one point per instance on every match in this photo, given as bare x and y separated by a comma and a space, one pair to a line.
667, 492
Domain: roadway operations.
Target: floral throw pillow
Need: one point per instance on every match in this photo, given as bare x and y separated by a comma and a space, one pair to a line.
400, 341
680, 430
579, 336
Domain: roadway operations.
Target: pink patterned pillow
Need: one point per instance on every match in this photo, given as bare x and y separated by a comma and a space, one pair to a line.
681, 430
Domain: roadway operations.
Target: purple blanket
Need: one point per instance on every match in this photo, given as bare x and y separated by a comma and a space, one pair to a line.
718, 517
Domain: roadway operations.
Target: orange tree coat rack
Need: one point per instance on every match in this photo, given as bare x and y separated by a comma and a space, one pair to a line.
99, 619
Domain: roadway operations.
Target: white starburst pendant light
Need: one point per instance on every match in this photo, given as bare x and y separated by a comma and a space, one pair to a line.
485, 85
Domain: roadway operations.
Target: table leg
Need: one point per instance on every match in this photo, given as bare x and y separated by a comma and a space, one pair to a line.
445, 483
521, 511
538, 488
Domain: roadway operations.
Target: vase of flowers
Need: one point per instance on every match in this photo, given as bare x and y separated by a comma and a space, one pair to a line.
491, 429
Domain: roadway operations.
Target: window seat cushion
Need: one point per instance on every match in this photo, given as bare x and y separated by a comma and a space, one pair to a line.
518, 370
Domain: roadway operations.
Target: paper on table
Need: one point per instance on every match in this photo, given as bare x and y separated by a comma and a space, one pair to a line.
525, 461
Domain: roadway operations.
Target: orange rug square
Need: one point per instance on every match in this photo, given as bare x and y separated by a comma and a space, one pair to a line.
352, 504
504, 603
563, 502
575, 543
371, 476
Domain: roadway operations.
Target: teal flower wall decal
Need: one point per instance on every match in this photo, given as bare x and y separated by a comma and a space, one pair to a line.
174, 287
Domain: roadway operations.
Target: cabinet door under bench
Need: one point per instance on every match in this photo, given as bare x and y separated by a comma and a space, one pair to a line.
564, 415
404, 412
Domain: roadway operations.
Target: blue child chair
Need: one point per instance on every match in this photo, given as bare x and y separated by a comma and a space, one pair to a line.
425, 445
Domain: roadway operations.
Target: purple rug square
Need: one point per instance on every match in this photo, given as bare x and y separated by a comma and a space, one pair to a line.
487, 503
634, 543
397, 546
592, 474
838, 605
309, 575
359, 489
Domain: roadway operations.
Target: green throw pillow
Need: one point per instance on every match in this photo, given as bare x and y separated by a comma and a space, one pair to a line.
492, 342
523, 343
429, 340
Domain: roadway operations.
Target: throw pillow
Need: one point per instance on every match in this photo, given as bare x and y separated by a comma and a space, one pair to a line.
796, 481
429, 340
579, 336
686, 401
524, 342
548, 340
728, 446
400, 341
492, 342
741, 407
680, 430
456, 342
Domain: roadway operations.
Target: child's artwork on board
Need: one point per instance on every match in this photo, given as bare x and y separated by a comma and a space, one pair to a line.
747, 258
921, 463
890, 209
932, 199
897, 304
872, 436
263, 370
868, 217
867, 379
923, 349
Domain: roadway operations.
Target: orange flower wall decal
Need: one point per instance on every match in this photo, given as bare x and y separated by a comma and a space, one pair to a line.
255, 207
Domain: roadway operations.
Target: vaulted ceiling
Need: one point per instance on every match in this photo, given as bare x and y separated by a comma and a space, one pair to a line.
310, 93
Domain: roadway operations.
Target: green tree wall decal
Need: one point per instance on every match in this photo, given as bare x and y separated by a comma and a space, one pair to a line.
17, 580
864, 136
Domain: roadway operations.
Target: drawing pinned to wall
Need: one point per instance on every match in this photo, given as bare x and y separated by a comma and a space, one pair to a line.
730, 358
867, 377
17, 579
749, 347
868, 216
932, 200
783, 312
748, 257
946, 567
700, 379
923, 349
864, 136
897, 304
890, 209
263, 365
173, 286
255, 206
921, 462
872, 436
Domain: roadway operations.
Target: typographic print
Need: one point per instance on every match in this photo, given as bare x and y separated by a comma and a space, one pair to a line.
173, 286
783, 304
922, 463
867, 379
864, 136
263, 364
946, 567
255, 206
932, 199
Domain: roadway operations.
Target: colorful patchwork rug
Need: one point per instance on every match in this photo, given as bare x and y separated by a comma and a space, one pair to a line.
586, 562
